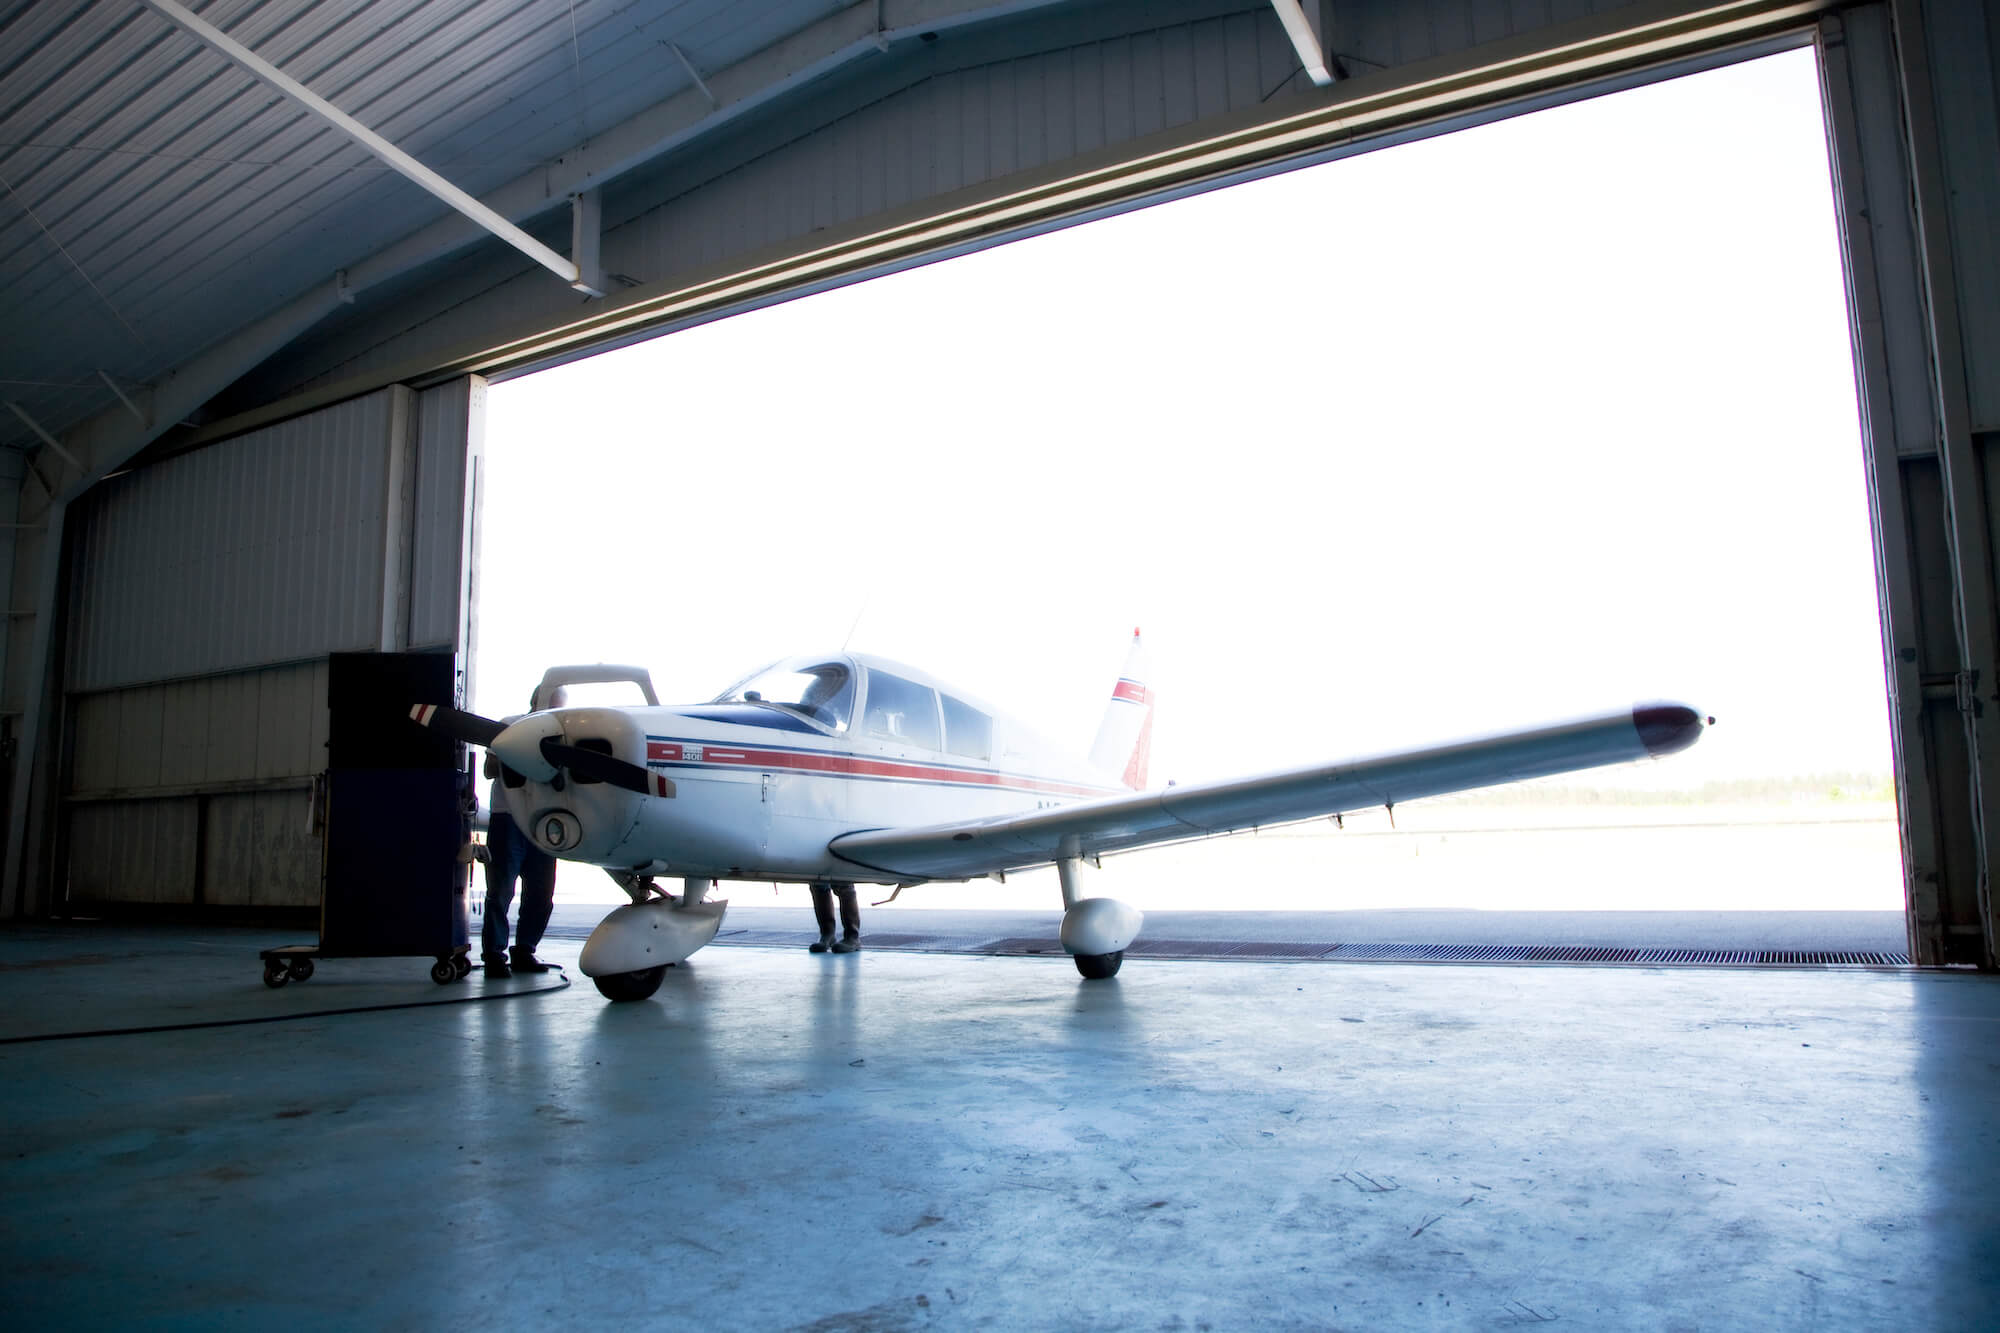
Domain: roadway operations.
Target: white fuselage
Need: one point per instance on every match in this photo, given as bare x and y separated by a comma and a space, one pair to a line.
759, 793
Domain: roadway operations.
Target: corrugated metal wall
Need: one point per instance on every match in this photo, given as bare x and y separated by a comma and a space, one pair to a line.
207, 593
266, 548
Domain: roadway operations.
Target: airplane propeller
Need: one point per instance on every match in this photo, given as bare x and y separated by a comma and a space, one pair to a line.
593, 765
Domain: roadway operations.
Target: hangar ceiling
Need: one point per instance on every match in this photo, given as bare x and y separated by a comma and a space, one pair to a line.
193, 255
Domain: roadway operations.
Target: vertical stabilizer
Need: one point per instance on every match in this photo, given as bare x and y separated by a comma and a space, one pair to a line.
1125, 737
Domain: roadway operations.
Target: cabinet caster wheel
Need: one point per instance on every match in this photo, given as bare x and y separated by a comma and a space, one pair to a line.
444, 972
275, 974
463, 965
301, 969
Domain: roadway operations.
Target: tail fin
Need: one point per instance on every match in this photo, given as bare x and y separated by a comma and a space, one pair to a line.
1125, 737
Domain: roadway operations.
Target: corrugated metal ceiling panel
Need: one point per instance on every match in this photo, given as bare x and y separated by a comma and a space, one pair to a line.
157, 196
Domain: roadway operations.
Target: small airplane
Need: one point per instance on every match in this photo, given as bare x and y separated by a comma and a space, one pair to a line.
849, 768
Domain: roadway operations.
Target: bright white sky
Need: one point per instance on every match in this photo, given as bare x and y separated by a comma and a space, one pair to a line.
1494, 428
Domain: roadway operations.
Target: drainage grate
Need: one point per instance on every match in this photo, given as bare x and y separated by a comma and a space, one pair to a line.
1833, 959
1597, 953
1274, 949
1174, 948
1025, 944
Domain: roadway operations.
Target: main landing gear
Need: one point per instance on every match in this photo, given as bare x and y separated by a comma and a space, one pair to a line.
1095, 931
1099, 966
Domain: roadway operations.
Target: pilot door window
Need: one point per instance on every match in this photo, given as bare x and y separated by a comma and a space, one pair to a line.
901, 710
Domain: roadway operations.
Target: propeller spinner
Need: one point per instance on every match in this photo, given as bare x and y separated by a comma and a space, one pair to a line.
535, 747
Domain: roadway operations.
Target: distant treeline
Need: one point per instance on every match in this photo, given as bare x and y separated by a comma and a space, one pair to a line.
1811, 788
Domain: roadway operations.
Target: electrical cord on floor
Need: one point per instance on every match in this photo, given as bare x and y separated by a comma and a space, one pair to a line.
288, 1018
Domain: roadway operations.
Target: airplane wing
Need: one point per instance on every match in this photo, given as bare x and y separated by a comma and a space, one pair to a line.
1175, 814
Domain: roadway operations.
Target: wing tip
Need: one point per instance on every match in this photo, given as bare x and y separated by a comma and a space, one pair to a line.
1666, 728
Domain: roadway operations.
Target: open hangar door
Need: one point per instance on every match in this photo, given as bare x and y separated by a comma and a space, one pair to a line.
206, 592
1904, 194
918, 160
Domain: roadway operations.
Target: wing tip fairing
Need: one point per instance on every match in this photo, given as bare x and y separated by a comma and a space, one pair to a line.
1666, 728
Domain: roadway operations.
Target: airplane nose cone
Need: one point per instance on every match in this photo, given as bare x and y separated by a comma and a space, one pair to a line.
1667, 728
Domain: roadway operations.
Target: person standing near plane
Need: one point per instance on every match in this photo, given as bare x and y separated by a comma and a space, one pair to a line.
510, 856
823, 894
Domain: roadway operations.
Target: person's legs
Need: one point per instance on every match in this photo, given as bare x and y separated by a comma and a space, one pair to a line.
538, 899
850, 919
504, 849
822, 896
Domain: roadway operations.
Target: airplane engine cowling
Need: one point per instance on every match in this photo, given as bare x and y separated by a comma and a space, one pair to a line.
638, 936
1100, 926
581, 820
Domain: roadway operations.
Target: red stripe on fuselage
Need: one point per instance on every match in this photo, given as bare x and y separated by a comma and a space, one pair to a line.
844, 765
1129, 690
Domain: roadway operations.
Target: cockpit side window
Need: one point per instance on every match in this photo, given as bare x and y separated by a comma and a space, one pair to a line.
901, 710
967, 731
822, 691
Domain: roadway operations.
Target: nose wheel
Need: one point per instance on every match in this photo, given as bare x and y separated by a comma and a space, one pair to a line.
624, 986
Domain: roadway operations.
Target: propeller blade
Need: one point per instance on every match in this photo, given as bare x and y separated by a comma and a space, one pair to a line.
604, 768
457, 723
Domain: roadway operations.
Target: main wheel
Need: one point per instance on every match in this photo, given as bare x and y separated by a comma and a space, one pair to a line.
444, 972
301, 969
274, 973
621, 986
1098, 966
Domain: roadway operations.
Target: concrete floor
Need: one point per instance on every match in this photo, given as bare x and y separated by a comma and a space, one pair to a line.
907, 1140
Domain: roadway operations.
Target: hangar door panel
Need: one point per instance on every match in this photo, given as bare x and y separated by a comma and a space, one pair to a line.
133, 852
208, 592
260, 850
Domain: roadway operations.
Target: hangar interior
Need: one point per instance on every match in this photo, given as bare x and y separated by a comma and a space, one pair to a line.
263, 262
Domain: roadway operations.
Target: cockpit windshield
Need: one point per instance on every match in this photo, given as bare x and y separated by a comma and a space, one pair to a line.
821, 691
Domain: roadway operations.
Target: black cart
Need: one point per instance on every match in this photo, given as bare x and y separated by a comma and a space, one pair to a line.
398, 805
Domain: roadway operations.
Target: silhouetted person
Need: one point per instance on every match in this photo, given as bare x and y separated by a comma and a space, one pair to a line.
510, 855
823, 894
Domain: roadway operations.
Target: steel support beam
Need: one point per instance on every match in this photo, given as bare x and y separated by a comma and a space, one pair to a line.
1898, 432
396, 158
119, 393
48, 439
586, 232
1968, 515
1301, 20
694, 75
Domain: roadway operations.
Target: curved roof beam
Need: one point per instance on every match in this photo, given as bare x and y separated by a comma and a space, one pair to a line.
396, 158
